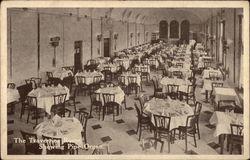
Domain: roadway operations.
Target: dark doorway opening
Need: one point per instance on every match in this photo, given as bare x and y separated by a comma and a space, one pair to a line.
78, 55
185, 31
106, 47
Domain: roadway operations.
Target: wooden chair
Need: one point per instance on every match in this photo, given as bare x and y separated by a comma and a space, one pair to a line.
59, 105
31, 146
190, 94
32, 82
173, 91
32, 108
236, 137
122, 84
50, 77
189, 130
95, 101
72, 101
162, 129
145, 73
132, 84
157, 90
197, 111
82, 86
110, 106
11, 85
53, 145
83, 118
108, 76
142, 121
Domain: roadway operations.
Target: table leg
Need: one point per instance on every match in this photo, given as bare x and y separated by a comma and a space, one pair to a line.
206, 93
221, 141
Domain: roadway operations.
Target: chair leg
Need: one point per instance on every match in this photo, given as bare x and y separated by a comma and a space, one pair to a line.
169, 139
137, 127
185, 142
85, 137
195, 141
103, 113
36, 117
198, 130
140, 133
28, 116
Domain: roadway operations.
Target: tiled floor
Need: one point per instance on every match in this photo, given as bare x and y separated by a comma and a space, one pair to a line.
121, 134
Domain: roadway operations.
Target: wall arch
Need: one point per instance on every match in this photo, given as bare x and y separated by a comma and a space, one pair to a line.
174, 29
185, 25
163, 29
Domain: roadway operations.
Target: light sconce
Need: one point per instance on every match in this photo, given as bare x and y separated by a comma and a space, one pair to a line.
99, 39
146, 36
138, 37
226, 44
54, 42
115, 38
131, 36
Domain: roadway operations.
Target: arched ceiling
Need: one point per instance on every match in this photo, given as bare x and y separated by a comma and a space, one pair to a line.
140, 15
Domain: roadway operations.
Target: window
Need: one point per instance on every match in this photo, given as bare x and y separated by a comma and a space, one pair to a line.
163, 29
174, 29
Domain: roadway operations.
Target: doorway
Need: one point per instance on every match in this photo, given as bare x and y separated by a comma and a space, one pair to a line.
106, 47
78, 55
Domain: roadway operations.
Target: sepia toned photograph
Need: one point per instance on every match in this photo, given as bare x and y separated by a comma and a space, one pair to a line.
137, 80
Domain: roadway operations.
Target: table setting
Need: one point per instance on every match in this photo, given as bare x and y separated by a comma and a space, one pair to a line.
89, 76
45, 95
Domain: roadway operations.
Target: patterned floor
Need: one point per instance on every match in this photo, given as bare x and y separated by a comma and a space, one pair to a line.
121, 134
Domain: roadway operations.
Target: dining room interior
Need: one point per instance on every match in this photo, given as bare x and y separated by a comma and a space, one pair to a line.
125, 81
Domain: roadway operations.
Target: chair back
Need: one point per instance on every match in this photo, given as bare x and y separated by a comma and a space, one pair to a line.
197, 109
92, 61
138, 112
11, 85
121, 80
53, 145
83, 118
132, 79
97, 79
95, 97
237, 130
37, 80
81, 80
213, 75
31, 146
107, 68
32, 101
23, 91
59, 99
144, 69
162, 122
191, 122
108, 98
32, 82
68, 81
216, 85
49, 74
173, 88
224, 105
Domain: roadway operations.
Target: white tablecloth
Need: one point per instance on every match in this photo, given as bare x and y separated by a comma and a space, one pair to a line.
186, 72
205, 73
225, 94
134, 75
123, 62
222, 120
114, 67
183, 84
119, 94
177, 110
89, 76
45, 96
62, 73
207, 85
12, 95
139, 68
68, 129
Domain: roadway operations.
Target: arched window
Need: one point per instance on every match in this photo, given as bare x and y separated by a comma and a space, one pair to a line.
185, 31
174, 29
163, 29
